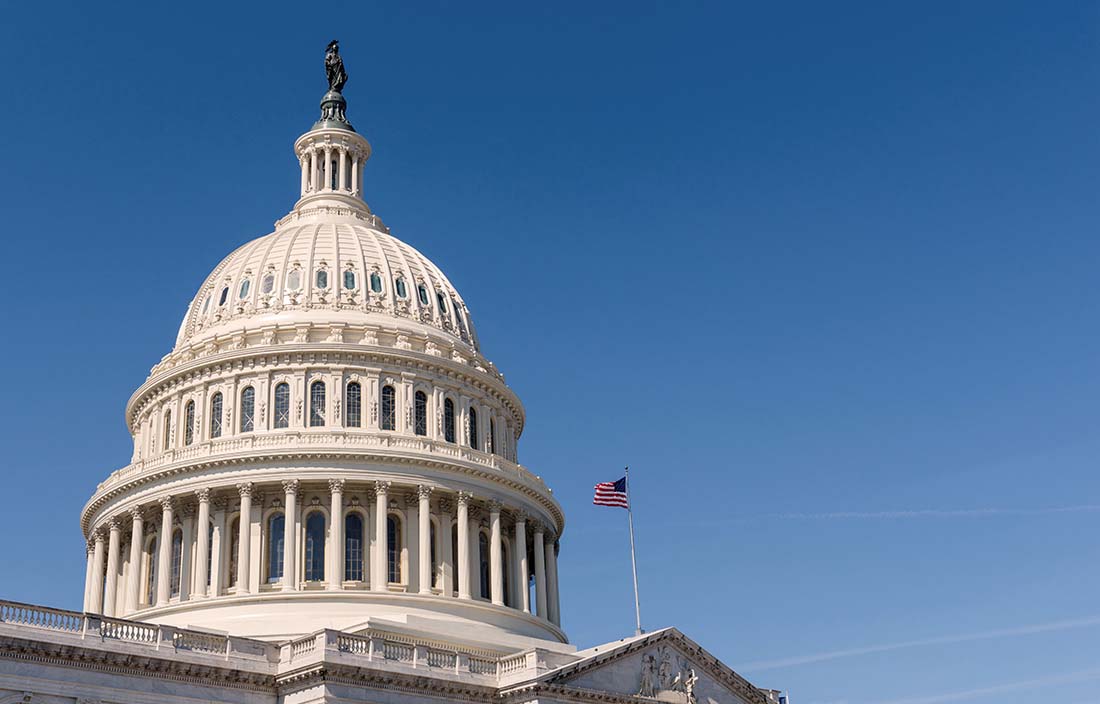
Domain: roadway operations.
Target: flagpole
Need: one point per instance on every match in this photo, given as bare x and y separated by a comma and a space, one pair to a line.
633, 561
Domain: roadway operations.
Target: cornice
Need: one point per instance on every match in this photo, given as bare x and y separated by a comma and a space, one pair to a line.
419, 685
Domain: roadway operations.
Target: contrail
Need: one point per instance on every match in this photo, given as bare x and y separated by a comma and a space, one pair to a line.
938, 640
1065, 678
932, 513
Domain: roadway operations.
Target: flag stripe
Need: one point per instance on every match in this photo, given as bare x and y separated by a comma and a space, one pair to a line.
611, 494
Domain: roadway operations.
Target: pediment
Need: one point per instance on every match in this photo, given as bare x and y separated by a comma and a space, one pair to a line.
663, 667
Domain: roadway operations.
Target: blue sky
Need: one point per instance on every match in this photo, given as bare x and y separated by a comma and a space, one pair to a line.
823, 275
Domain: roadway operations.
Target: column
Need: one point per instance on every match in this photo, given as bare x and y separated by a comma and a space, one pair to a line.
217, 551
110, 598
343, 183
327, 170
522, 571
98, 557
88, 576
313, 170
355, 175
202, 547
164, 560
188, 539
256, 543
336, 533
304, 163
424, 516
133, 582
463, 545
290, 547
552, 581
540, 571
244, 536
496, 564
410, 566
446, 553
378, 573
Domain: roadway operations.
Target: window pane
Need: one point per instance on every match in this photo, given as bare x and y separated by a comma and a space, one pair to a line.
189, 424
353, 548
423, 293
216, 416
177, 557
248, 409
317, 404
442, 303
354, 404
421, 413
389, 408
168, 429
483, 564
375, 282
473, 429
282, 405
268, 284
276, 532
294, 280
449, 420
315, 547
222, 298
491, 443
400, 286
349, 279
245, 285
322, 278
393, 550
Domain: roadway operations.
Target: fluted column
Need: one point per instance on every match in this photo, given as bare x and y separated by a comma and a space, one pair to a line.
88, 576
343, 182
110, 598
378, 572
312, 170
304, 163
98, 558
290, 519
540, 570
202, 543
336, 576
522, 571
327, 171
133, 582
552, 581
446, 552
424, 516
164, 560
355, 175
463, 521
244, 536
496, 562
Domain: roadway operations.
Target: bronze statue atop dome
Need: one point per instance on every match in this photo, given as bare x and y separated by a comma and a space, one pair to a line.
334, 67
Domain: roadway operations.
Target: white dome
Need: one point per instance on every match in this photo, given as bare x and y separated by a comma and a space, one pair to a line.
332, 271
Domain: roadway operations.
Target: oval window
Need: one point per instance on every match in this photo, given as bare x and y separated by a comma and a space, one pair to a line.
349, 279
268, 283
322, 278
423, 293
400, 286
245, 285
294, 280
442, 302
375, 282
224, 296
206, 304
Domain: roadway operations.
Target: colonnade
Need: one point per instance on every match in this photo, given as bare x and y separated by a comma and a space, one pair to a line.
291, 536
331, 168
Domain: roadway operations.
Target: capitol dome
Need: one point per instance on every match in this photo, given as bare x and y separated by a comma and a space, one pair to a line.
325, 446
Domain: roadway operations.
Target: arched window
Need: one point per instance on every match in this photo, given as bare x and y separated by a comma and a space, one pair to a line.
177, 561
375, 282
248, 409
268, 284
282, 405
449, 420
399, 286
189, 423
421, 413
473, 429
234, 551
225, 295
243, 292
167, 429
442, 302
483, 563
353, 548
389, 408
422, 292
216, 416
315, 547
349, 279
354, 404
317, 404
491, 442
152, 548
276, 532
321, 278
393, 549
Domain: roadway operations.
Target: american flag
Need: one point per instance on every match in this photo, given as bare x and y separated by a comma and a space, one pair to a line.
612, 494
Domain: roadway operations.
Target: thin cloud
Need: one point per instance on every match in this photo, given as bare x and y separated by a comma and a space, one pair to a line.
966, 694
922, 642
933, 513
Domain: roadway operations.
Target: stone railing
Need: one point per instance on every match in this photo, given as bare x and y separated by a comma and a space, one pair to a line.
158, 638
320, 440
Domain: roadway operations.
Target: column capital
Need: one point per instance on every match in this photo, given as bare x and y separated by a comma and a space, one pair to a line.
381, 488
90, 546
495, 505
136, 513
167, 503
537, 527
245, 489
336, 486
290, 486
113, 525
463, 498
203, 495
424, 492
520, 516
97, 534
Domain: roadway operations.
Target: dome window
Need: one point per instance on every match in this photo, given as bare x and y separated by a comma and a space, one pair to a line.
294, 280
399, 285
321, 279
268, 284
422, 291
243, 293
375, 282
206, 305
349, 279
225, 295
442, 302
